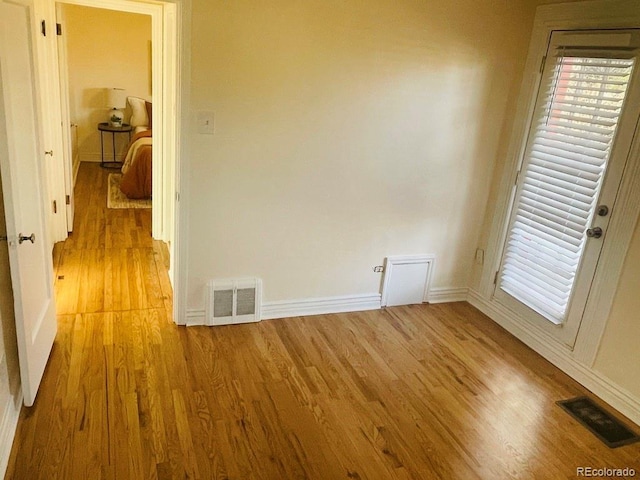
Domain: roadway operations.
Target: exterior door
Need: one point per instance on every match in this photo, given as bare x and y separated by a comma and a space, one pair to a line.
581, 131
22, 183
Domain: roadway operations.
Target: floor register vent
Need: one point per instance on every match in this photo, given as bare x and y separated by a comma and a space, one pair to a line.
232, 301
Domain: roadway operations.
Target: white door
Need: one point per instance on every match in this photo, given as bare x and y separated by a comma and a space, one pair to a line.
21, 168
48, 82
578, 144
67, 150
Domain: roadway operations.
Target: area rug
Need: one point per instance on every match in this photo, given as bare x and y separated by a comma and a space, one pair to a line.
599, 422
117, 199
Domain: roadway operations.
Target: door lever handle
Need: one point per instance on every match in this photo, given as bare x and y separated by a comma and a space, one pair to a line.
31, 238
594, 232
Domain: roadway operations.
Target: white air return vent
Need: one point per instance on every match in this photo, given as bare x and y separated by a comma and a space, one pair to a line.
233, 301
407, 279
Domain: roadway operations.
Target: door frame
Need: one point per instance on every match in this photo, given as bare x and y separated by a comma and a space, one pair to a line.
169, 28
597, 15
163, 72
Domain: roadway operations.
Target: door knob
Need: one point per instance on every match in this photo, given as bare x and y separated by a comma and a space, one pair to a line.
31, 238
603, 210
594, 232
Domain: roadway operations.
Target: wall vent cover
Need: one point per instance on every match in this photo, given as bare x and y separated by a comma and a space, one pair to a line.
231, 301
407, 279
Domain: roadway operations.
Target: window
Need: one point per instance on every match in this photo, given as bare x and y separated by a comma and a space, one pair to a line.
580, 103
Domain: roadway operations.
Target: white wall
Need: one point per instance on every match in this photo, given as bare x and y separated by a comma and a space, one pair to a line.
105, 49
345, 132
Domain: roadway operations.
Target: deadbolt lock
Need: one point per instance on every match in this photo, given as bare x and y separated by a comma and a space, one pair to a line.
603, 210
594, 232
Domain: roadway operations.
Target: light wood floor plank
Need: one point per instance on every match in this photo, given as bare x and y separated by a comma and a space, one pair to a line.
418, 392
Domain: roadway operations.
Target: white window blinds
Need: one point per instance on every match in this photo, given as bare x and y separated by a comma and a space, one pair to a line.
577, 114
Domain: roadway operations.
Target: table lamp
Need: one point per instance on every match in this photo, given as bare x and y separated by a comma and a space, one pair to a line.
116, 101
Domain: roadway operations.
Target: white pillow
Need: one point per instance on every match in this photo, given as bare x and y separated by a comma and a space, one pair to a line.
139, 117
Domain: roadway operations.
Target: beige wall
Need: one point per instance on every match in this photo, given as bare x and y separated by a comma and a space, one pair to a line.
105, 49
345, 132
619, 355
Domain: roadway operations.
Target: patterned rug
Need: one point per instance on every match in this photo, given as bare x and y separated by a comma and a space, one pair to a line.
117, 199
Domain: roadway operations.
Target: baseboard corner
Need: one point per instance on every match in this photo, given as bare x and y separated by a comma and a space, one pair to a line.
616, 396
448, 294
8, 428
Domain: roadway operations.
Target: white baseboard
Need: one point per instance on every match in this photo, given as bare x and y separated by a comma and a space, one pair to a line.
446, 295
308, 306
8, 426
619, 398
97, 158
195, 317
320, 306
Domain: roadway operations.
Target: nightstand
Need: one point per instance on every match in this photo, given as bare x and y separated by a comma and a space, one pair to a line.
106, 127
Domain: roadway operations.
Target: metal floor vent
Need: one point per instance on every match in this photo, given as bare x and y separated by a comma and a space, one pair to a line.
233, 301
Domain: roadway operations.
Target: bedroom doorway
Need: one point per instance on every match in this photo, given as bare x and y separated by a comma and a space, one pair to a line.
162, 88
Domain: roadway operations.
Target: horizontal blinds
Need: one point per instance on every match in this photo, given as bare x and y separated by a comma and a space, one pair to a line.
571, 140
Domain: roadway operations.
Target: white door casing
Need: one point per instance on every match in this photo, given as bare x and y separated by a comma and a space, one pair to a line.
23, 186
567, 331
65, 132
47, 80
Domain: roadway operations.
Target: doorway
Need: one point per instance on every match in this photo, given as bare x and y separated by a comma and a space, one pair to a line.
163, 88
581, 133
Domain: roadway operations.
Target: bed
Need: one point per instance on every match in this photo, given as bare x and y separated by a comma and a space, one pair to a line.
137, 165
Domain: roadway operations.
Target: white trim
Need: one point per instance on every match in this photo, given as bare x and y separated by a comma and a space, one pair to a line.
8, 427
596, 14
97, 158
303, 307
614, 252
390, 262
320, 306
179, 251
194, 317
447, 295
619, 398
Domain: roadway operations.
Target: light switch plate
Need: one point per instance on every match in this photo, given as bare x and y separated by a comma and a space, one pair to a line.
205, 123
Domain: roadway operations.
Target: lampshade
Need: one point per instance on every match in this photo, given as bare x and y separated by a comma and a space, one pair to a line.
116, 98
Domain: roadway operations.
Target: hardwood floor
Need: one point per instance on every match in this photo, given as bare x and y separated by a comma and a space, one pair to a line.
419, 392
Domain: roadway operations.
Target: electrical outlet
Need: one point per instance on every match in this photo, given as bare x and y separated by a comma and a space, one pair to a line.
479, 256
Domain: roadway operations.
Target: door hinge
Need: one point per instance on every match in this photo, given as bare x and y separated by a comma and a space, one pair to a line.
67, 199
55, 207
517, 177
544, 60
495, 278
43, 28
58, 29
